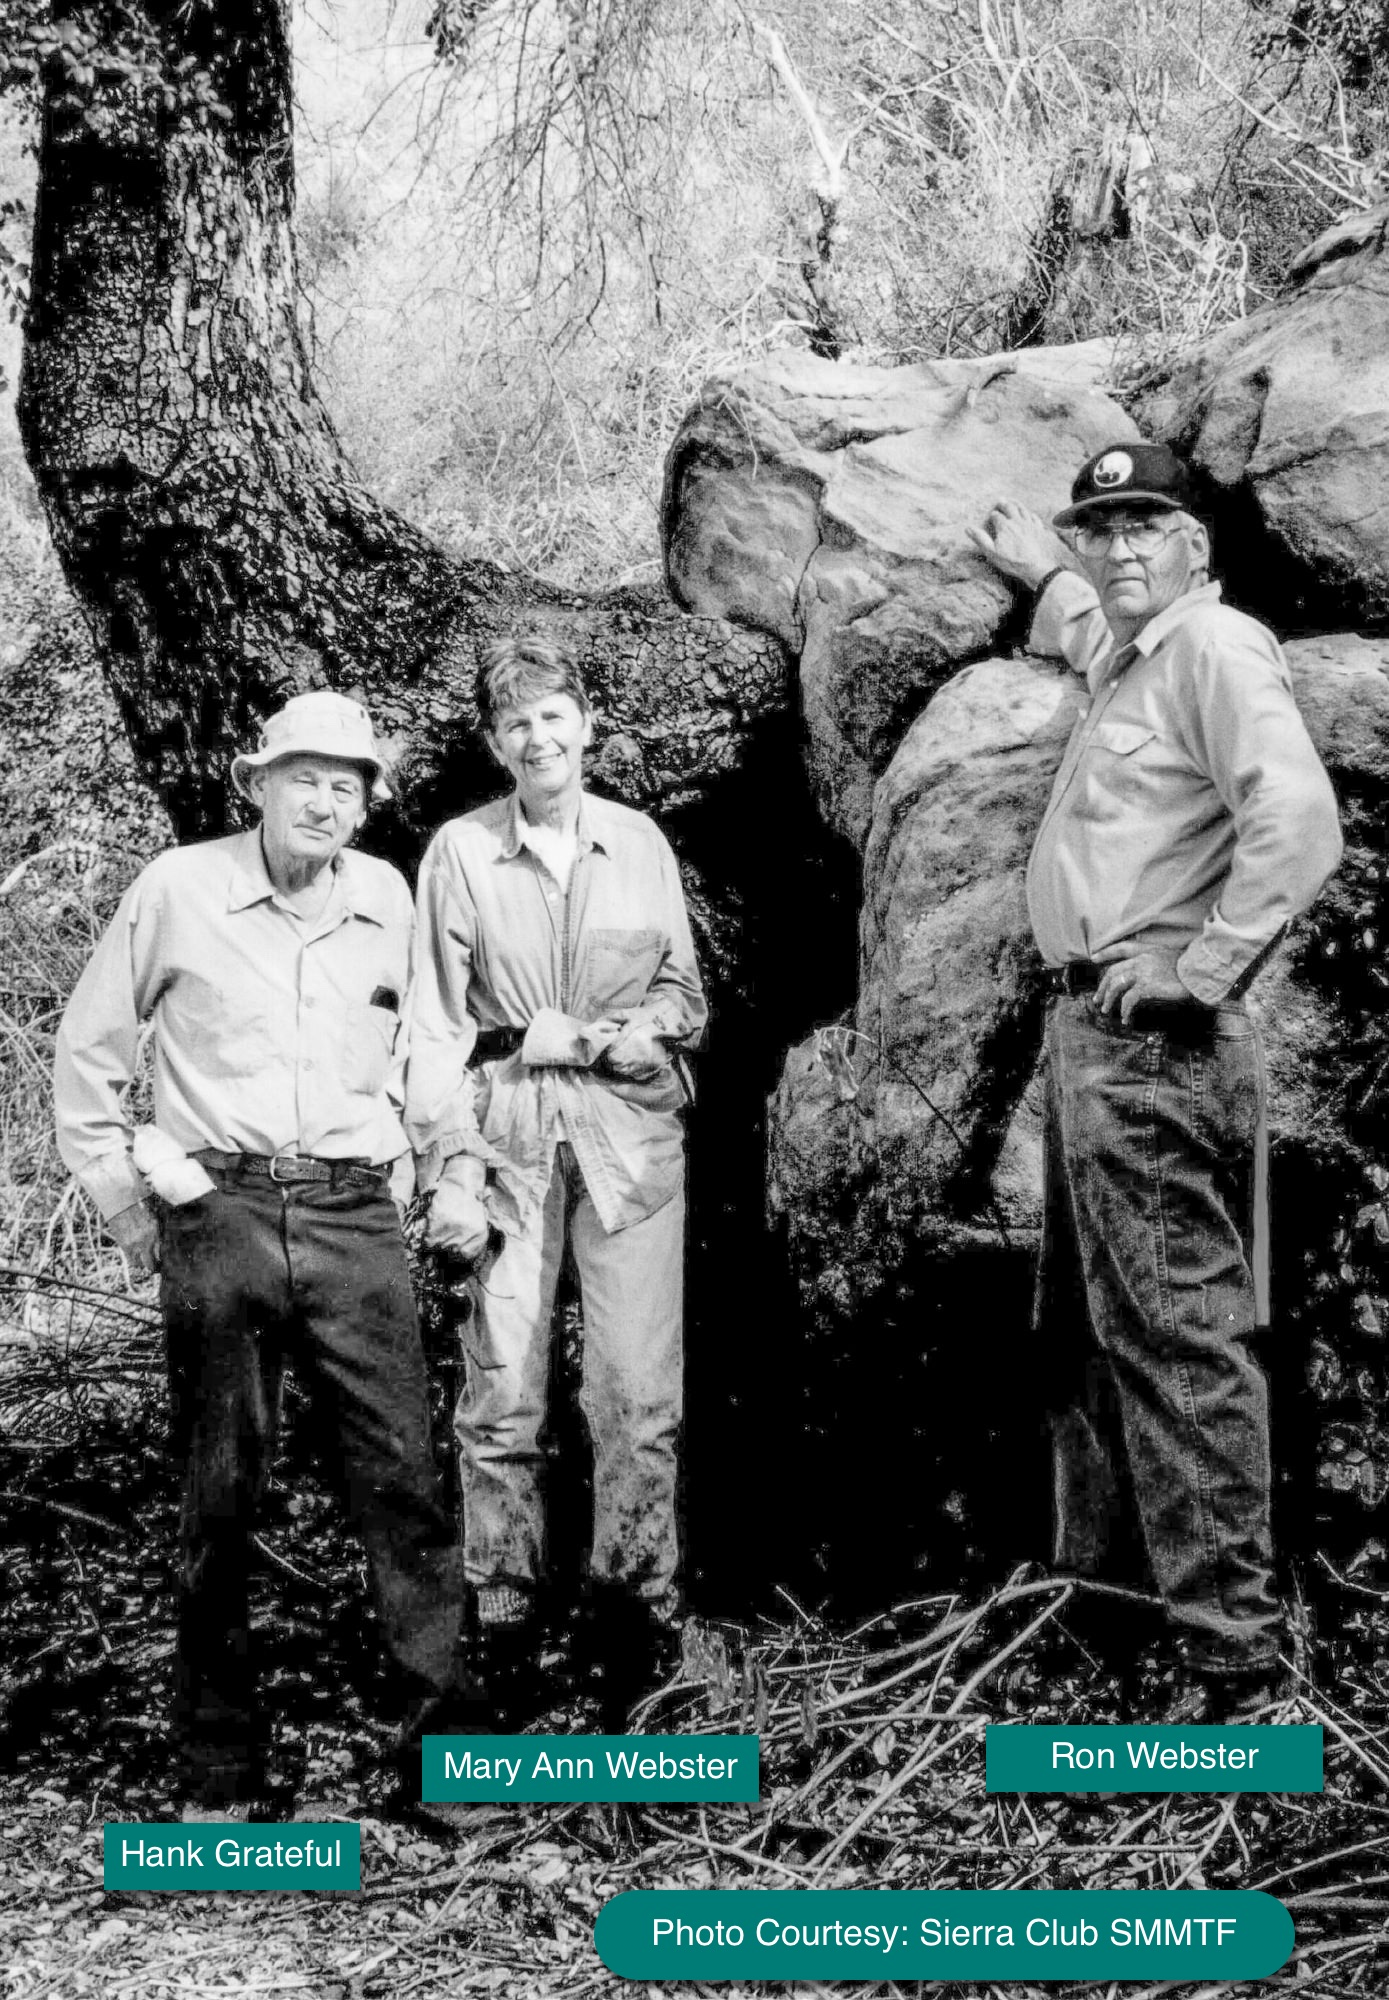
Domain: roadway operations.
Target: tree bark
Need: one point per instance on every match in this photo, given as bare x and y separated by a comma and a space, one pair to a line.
220, 543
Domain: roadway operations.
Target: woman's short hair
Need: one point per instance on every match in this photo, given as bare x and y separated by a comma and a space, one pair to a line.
513, 672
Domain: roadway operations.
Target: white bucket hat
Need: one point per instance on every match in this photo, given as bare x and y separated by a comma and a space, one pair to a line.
322, 724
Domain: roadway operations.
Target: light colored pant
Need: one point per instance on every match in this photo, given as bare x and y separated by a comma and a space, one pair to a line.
631, 1287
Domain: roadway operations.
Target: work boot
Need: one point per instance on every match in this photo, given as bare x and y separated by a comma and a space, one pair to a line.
507, 1640
508, 1656
195, 1813
1207, 1695
212, 1786
632, 1649
464, 1710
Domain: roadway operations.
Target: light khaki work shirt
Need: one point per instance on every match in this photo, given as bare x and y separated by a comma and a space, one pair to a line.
502, 942
270, 1033
1191, 812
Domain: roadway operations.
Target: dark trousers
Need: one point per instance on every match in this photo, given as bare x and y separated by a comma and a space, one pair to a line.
1147, 1307
255, 1274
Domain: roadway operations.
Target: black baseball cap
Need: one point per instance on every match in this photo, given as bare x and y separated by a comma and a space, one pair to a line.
1123, 473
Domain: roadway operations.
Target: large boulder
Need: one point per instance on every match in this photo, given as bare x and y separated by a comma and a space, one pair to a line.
1285, 414
911, 1100
911, 1251
827, 504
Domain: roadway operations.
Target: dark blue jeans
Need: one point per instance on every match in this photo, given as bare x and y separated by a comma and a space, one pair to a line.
255, 1274
1147, 1302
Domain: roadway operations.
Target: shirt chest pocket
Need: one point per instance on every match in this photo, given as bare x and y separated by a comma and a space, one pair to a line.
367, 1047
1116, 768
621, 964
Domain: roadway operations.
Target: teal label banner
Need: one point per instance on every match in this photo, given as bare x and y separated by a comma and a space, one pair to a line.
591, 1767
892, 1934
233, 1854
1115, 1757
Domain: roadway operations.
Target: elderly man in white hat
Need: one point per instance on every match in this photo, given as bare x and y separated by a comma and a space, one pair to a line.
271, 966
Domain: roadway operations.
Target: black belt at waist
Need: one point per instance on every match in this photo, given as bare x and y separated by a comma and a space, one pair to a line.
1186, 1020
283, 1167
494, 1042
1078, 975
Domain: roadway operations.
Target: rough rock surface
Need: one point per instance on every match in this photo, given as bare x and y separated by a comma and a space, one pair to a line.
917, 1093
1286, 414
827, 504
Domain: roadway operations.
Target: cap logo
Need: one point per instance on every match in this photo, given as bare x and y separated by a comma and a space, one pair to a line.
1113, 469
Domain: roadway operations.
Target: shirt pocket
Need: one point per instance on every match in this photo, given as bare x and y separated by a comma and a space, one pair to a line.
1116, 768
368, 1046
621, 965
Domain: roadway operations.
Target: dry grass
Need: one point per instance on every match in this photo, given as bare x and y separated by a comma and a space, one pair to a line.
58, 1269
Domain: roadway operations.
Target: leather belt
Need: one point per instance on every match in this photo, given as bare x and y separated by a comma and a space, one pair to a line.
1078, 975
492, 1043
1183, 1020
283, 1168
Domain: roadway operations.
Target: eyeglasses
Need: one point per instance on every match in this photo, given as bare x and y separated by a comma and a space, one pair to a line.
1144, 536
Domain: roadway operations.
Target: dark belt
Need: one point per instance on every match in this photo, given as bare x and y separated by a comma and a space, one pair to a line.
1183, 1020
1078, 975
285, 1167
494, 1042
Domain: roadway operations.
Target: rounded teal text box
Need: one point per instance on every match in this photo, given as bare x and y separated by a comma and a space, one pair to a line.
1152, 1757
539, 1768
232, 1854
883, 1934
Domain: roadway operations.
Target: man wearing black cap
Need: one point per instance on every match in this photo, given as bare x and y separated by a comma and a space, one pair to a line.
1190, 822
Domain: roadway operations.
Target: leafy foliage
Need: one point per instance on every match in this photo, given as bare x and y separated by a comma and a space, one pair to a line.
1350, 37
97, 48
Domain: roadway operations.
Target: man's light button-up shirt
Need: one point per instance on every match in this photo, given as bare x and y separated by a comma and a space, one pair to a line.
271, 1033
1191, 812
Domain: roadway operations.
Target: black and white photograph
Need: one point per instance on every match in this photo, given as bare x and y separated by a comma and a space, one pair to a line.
694, 997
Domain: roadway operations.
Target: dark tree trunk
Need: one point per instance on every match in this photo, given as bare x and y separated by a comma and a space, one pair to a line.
205, 514
1086, 212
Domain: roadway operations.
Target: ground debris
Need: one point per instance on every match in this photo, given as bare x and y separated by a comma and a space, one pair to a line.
889, 1795
872, 1771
